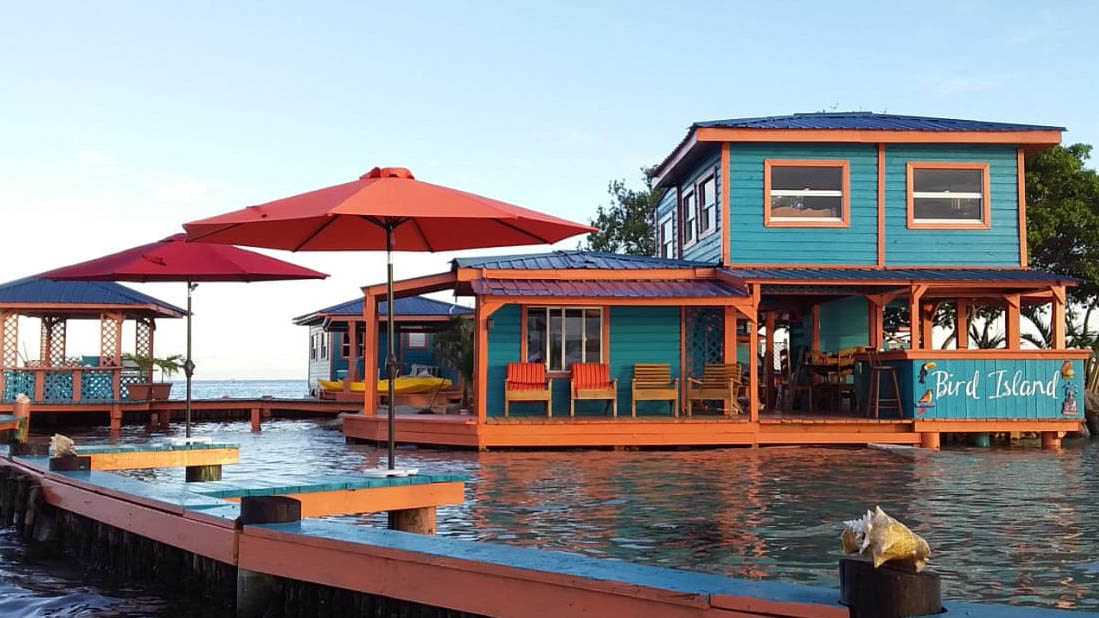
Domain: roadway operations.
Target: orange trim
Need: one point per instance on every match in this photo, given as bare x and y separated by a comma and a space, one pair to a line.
996, 426
730, 344
769, 163
1021, 172
914, 321
370, 355
961, 324
414, 286
986, 201
712, 301
1037, 138
726, 200
376, 499
881, 205
1057, 319
1014, 322
683, 353
706, 272
927, 324
769, 360
864, 267
524, 355
753, 368
605, 345
138, 460
979, 354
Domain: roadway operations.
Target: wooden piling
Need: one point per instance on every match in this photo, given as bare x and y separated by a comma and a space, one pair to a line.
420, 521
930, 439
70, 463
888, 591
255, 419
269, 510
22, 412
201, 474
1051, 440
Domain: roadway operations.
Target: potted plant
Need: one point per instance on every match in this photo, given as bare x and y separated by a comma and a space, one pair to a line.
146, 391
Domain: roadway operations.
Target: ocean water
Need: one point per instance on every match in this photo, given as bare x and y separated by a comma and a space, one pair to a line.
242, 389
1007, 525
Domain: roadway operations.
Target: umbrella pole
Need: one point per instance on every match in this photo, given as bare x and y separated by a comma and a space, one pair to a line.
188, 365
391, 358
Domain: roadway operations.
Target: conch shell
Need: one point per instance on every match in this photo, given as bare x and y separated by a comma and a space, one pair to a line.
62, 446
884, 539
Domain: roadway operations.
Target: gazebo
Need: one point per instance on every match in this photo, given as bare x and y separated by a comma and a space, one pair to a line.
55, 378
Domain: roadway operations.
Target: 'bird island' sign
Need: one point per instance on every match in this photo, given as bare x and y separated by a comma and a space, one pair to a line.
989, 389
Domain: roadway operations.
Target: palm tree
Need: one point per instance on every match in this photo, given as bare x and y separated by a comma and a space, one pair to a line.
454, 347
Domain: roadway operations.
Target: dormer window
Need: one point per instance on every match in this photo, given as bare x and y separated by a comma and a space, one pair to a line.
690, 218
945, 196
806, 193
707, 205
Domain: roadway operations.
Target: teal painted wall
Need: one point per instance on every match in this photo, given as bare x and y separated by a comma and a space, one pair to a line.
995, 389
753, 243
637, 335
844, 323
408, 356
998, 246
503, 348
707, 248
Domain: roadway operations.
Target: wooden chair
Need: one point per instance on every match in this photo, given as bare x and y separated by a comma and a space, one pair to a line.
527, 382
844, 378
592, 381
878, 370
719, 383
653, 382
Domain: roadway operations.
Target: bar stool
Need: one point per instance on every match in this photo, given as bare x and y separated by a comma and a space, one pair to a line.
877, 370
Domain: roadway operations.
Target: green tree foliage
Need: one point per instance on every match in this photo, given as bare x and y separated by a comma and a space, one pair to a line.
1063, 216
454, 347
626, 224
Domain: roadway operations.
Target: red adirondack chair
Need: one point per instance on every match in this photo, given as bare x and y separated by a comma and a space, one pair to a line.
593, 381
527, 382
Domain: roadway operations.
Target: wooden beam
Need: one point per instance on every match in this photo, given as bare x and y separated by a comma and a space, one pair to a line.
753, 369
353, 352
927, 324
881, 205
961, 324
769, 360
1021, 171
1058, 318
726, 200
1013, 333
914, 321
370, 355
815, 342
876, 316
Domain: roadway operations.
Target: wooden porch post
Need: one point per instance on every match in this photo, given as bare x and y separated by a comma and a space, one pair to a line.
683, 377
961, 324
914, 321
876, 335
370, 355
484, 311
769, 360
1013, 332
352, 352
1057, 317
730, 343
110, 349
753, 367
927, 324
816, 329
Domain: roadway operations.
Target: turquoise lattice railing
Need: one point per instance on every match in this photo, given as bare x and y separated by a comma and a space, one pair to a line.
127, 381
16, 382
58, 386
96, 386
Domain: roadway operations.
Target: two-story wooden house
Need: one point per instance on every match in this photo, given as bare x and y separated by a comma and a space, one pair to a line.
819, 223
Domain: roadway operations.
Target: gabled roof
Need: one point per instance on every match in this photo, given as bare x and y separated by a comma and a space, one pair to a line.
82, 295
869, 121
410, 307
573, 260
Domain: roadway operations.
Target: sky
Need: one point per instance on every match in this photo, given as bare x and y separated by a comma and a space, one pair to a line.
120, 121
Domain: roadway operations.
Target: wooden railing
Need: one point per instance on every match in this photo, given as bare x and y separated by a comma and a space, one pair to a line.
75, 384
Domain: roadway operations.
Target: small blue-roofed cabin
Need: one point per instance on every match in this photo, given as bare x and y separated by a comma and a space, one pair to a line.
417, 320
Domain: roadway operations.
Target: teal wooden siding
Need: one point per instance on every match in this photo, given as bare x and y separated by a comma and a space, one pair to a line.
844, 323
998, 246
637, 335
667, 206
994, 389
707, 248
753, 243
503, 348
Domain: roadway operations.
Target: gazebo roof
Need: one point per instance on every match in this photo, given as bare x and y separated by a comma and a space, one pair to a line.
36, 297
409, 308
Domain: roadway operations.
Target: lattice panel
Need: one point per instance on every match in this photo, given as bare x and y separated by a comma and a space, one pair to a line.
58, 386
9, 355
44, 342
58, 333
96, 386
124, 388
705, 328
110, 339
17, 383
143, 342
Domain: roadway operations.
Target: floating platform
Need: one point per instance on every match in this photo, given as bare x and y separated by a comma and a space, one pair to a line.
663, 431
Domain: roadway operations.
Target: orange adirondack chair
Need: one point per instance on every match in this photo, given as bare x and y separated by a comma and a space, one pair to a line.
593, 381
527, 382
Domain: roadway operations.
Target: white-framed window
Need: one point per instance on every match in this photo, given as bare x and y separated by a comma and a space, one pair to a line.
666, 237
690, 218
345, 345
314, 347
561, 336
324, 345
707, 205
416, 341
948, 195
806, 193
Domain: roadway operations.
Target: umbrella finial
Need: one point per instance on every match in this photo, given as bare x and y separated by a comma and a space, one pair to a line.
388, 172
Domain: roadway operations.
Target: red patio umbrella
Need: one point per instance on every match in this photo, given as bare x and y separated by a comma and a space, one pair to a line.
386, 208
175, 259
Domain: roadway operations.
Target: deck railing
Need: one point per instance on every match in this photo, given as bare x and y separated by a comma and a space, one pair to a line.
69, 384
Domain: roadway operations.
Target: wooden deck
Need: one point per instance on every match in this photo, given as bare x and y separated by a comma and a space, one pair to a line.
165, 411
662, 431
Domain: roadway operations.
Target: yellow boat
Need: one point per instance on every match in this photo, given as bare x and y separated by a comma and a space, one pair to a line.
404, 385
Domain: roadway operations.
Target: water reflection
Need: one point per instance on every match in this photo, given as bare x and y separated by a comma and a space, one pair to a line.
1012, 525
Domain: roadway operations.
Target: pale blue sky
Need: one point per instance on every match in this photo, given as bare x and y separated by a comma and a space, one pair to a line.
122, 120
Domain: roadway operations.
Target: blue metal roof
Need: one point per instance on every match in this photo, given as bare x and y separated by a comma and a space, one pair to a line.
35, 291
605, 289
412, 306
920, 275
572, 260
869, 121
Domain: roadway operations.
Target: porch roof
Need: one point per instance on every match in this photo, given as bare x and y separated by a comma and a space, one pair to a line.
558, 288
409, 307
576, 259
42, 297
870, 276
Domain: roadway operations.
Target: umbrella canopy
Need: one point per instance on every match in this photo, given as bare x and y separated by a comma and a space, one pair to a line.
386, 208
175, 259
353, 217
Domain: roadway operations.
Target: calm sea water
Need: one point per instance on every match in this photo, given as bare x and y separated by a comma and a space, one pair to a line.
1009, 525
